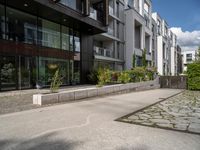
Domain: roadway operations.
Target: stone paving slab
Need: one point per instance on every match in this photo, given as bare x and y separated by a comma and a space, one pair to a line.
180, 112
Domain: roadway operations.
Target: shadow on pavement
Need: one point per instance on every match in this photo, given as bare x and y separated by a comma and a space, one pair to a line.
46, 142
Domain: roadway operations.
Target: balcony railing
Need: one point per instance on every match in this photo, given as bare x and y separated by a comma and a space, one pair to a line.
103, 52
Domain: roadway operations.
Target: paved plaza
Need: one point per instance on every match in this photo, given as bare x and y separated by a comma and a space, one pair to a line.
180, 112
91, 125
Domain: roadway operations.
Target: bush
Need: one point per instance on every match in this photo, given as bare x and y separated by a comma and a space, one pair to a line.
138, 73
124, 77
104, 76
193, 71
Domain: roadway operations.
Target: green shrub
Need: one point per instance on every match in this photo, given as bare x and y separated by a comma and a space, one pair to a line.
104, 76
124, 77
193, 72
150, 71
114, 76
139, 74
56, 82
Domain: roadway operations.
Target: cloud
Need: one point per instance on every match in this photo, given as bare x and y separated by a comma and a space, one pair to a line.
187, 40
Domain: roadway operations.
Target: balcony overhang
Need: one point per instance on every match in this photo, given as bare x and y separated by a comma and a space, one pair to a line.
58, 13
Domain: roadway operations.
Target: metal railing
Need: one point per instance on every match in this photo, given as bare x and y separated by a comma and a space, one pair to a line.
103, 52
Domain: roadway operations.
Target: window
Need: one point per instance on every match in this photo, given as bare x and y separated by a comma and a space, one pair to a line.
130, 3
146, 8
74, 4
21, 27
65, 38
166, 31
48, 34
189, 57
159, 27
2, 22
77, 41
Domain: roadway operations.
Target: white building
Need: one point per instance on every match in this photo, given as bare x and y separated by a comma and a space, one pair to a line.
166, 47
187, 58
174, 54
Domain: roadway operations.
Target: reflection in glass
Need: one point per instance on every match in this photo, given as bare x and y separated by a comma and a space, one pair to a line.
2, 22
65, 38
74, 4
25, 72
76, 71
77, 41
48, 34
8, 73
21, 27
48, 67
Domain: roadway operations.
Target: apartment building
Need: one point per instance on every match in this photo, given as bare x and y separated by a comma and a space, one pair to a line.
174, 54
187, 58
109, 47
163, 46
179, 61
139, 33
154, 44
39, 36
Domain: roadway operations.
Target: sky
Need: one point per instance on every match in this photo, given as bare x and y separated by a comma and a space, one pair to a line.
183, 17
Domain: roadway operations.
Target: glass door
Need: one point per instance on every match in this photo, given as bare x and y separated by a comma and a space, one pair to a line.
24, 72
8, 73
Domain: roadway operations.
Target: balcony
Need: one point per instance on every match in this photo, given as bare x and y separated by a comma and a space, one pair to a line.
111, 11
103, 52
93, 13
110, 31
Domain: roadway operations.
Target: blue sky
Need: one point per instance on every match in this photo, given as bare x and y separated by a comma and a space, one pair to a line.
184, 17
179, 13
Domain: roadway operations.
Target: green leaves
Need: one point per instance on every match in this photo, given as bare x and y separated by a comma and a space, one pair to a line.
193, 72
56, 82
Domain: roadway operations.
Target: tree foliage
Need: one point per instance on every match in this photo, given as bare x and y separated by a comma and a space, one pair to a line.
144, 61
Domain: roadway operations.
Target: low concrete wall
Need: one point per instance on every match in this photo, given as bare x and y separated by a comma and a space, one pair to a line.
44, 99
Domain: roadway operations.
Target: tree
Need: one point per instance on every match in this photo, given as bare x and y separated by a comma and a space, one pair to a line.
197, 56
133, 60
144, 62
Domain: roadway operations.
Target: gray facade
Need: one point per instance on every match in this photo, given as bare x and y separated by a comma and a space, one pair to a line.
139, 32
109, 47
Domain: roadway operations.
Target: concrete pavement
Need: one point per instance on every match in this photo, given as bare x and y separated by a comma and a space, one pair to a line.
90, 125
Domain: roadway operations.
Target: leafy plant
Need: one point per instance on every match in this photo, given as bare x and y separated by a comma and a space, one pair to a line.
104, 76
124, 77
144, 61
56, 82
193, 72
133, 60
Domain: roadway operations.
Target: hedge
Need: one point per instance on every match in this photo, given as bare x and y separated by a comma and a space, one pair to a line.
193, 72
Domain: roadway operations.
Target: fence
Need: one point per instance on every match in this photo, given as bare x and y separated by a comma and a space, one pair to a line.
173, 82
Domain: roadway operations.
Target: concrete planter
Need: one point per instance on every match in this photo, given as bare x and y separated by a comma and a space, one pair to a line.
44, 99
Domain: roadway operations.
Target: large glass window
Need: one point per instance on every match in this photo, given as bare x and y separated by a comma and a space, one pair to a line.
2, 22
77, 41
21, 27
74, 4
71, 47
8, 72
48, 67
48, 33
65, 38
